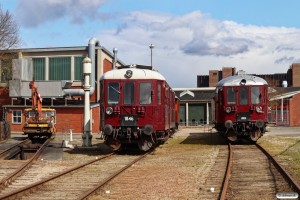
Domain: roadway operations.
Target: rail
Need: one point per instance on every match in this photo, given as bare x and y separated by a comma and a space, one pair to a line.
289, 179
108, 179
227, 174
3, 153
20, 170
34, 185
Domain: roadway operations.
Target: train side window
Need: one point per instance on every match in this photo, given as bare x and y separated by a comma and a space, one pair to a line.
145, 93
255, 95
230, 95
113, 93
129, 93
243, 96
159, 94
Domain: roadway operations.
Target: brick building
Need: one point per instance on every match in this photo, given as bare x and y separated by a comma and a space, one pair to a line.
58, 75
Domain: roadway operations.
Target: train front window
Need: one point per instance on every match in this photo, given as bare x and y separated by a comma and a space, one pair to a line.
129, 93
230, 95
113, 93
145, 93
255, 95
243, 96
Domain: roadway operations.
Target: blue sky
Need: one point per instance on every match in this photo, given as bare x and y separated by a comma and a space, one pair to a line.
190, 37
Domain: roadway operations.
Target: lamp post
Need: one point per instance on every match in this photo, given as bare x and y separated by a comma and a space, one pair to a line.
151, 46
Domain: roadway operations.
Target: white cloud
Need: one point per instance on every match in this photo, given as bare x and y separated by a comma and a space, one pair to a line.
32, 13
192, 44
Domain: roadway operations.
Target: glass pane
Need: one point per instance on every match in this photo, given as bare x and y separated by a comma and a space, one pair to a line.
129, 93
39, 67
145, 93
78, 68
243, 96
158, 94
230, 95
255, 95
113, 93
60, 68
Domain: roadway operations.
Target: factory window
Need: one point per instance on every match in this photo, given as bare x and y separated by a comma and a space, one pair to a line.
17, 117
129, 93
60, 68
39, 67
145, 93
113, 93
78, 68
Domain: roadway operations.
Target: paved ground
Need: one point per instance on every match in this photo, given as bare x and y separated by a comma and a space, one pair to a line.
283, 131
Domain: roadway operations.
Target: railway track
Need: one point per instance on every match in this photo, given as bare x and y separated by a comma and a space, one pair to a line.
253, 173
79, 182
12, 150
22, 166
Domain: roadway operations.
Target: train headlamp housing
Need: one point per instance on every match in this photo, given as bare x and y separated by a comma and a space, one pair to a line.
228, 110
259, 109
109, 110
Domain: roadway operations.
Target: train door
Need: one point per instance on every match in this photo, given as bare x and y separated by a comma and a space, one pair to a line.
243, 99
146, 99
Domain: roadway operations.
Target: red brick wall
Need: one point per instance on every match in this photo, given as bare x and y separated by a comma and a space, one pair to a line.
107, 65
4, 99
226, 72
66, 118
295, 110
296, 74
213, 78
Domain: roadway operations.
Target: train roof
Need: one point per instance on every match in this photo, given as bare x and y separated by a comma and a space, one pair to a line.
244, 79
133, 72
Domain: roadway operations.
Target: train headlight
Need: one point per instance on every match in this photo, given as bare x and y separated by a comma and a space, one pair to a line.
148, 129
228, 124
228, 110
107, 129
109, 110
259, 109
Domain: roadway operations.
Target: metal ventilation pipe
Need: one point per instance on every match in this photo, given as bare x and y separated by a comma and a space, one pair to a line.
115, 50
93, 42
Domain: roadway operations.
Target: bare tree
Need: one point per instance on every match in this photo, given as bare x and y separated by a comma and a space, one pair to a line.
9, 38
9, 31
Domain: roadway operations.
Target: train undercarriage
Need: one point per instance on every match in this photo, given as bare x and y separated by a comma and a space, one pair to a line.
248, 130
119, 138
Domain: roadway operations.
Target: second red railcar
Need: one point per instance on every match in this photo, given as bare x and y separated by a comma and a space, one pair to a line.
241, 108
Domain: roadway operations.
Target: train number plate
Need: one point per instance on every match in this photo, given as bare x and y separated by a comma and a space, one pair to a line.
243, 116
128, 120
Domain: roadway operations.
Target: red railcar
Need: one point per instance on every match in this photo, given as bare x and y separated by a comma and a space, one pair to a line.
241, 107
137, 106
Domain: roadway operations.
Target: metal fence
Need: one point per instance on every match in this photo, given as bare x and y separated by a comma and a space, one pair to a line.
279, 117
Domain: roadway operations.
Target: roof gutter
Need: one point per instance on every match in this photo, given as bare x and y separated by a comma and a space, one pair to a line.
93, 42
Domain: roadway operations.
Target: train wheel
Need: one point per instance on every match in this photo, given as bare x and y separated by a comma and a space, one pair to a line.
255, 135
231, 136
144, 144
115, 144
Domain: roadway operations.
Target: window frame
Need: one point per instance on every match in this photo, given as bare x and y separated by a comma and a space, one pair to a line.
15, 117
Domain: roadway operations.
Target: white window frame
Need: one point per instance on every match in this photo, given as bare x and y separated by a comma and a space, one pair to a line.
18, 116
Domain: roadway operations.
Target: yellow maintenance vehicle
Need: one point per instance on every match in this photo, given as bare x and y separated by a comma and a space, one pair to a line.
39, 121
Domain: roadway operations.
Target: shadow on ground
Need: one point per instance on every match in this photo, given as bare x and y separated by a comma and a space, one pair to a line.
212, 138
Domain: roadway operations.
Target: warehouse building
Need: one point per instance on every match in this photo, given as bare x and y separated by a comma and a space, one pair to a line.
58, 73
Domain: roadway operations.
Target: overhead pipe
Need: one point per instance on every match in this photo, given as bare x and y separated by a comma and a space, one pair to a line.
93, 42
